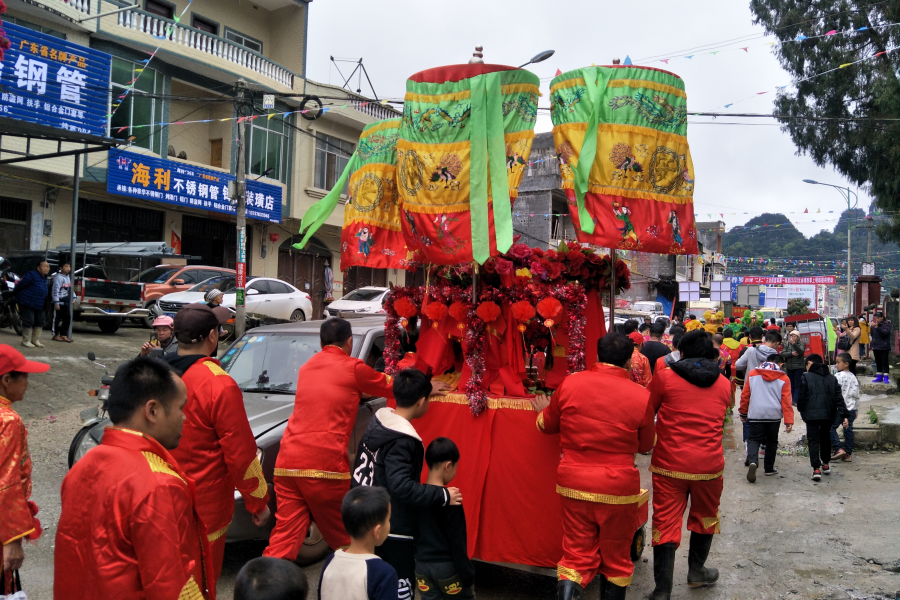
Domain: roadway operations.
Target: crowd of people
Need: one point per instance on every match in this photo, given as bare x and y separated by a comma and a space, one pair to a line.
144, 515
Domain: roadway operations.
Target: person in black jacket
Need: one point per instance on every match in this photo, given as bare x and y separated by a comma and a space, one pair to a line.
819, 403
391, 455
443, 568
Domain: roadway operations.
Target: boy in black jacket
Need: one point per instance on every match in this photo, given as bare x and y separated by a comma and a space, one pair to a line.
443, 568
820, 402
391, 455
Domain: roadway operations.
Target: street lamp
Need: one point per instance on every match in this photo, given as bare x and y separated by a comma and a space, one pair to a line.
539, 57
846, 196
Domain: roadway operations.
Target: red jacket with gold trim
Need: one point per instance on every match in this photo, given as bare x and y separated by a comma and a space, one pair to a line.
690, 398
129, 529
16, 511
329, 388
603, 418
217, 448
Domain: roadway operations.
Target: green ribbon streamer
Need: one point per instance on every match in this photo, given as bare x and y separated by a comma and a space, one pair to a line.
488, 162
319, 212
592, 79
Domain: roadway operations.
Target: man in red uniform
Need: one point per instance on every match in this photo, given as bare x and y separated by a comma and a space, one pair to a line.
690, 397
641, 373
129, 529
17, 512
312, 472
597, 479
217, 449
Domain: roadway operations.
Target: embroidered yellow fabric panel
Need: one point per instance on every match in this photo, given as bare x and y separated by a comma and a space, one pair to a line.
158, 465
254, 471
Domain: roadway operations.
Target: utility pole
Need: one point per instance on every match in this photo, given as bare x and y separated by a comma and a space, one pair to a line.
240, 310
870, 223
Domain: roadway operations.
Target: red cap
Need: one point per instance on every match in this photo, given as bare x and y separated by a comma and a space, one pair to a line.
636, 337
13, 360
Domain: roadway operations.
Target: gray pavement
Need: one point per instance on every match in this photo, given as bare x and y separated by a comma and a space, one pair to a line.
783, 537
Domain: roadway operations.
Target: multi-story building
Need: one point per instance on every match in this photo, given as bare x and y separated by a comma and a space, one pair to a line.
183, 60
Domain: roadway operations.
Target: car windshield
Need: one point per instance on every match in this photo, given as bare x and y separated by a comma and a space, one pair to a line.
363, 295
645, 306
222, 284
269, 363
156, 275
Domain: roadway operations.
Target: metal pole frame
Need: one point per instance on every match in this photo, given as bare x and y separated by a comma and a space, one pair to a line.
75, 191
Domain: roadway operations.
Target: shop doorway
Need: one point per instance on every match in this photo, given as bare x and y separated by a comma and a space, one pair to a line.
15, 225
305, 269
358, 277
103, 222
214, 241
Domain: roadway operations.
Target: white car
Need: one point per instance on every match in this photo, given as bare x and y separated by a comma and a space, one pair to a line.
361, 300
265, 297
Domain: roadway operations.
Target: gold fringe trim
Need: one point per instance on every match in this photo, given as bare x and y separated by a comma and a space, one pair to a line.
515, 88
216, 369
620, 581
599, 498
310, 474
567, 573
576, 81
686, 476
540, 422
433, 147
640, 83
437, 98
218, 534
671, 139
254, 471
374, 128
190, 591
493, 403
158, 465
351, 220
568, 184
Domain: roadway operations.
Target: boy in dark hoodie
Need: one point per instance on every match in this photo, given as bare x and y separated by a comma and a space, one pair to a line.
391, 455
820, 402
443, 567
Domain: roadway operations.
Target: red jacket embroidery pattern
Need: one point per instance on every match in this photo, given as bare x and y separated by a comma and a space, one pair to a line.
16, 510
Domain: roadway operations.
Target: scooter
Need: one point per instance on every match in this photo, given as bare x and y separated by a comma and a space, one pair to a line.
9, 314
95, 419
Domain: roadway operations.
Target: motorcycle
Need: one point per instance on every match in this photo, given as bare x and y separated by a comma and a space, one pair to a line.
95, 419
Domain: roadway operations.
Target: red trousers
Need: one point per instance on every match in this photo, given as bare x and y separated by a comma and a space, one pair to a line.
597, 538
217, 550
670, 499
300, 500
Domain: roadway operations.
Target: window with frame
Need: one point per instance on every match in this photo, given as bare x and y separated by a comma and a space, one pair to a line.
332, 155
40, 28
206, 25
243, 40
138, 114
161, 9
268, 148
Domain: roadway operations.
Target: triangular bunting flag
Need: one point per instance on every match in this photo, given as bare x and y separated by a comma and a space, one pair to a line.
628, 60
558, 73
805, 210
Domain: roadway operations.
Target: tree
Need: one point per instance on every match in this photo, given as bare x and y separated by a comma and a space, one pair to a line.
798, 306
840, 113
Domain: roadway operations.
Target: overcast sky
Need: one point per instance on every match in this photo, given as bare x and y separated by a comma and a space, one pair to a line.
749, 168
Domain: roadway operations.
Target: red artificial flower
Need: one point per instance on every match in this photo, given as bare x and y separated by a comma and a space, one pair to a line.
405, 308
520, 251
550, 308
489, 266
488, 311
2, 7
435, 311
4, 43
554, 271
537, 252
503, 267
522, 311
537, 268
552, 254
459, 311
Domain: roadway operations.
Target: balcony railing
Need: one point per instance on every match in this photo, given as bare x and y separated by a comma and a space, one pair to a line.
79, 5
167, 29
374, 109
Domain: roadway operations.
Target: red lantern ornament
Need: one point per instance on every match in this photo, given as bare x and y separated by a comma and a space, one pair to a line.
550, 308
488, 311
435, 311
548, 323
522, 311
522, 327
404, 323
459, 311
405, 308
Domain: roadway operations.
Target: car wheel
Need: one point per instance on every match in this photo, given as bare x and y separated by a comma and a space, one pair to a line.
314, 547
297, 316
109, 325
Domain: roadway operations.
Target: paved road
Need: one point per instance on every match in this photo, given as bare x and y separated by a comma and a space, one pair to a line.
784, 537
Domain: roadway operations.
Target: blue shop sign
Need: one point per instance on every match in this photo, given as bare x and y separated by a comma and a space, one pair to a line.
50, 81
150, 178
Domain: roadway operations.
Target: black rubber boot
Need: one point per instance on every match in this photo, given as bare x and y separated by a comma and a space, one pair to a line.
568, 590
698, 574
663, 570
603, 583
611, 591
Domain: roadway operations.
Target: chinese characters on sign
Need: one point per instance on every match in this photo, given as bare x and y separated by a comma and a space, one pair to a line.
172, 182
49, 81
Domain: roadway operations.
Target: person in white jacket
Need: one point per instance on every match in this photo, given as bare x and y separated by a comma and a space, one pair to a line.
765, 401
850, 390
